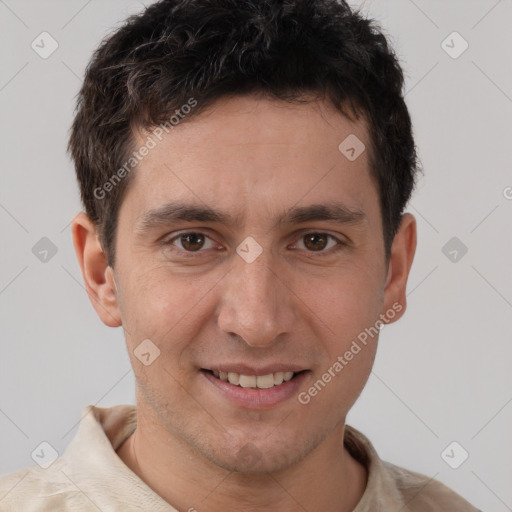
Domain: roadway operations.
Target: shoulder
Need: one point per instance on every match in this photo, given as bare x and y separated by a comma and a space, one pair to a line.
391, 487
36, 489
421, 493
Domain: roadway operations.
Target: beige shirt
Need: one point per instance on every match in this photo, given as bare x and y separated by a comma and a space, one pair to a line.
90, 476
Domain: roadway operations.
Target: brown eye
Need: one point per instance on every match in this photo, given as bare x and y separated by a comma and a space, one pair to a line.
191, 244
323, 244
316, 241
192, 241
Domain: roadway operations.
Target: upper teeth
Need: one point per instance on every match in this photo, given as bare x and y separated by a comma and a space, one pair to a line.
254, 381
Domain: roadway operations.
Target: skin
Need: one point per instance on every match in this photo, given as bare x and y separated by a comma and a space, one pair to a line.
255, 158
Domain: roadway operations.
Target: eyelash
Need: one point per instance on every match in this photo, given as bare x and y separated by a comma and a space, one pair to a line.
194, 254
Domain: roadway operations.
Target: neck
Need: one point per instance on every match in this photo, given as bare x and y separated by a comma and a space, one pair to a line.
329, 478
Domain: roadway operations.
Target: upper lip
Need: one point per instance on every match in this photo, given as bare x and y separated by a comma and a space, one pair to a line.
245, 369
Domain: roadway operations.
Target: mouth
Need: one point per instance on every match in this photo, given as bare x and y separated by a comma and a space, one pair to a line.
267, 381
248, 387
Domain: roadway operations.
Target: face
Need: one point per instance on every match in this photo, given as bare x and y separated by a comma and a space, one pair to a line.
248, 244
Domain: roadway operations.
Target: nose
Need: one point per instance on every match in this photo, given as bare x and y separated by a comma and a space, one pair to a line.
256, 303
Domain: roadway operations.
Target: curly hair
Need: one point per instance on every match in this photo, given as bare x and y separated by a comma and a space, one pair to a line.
176, 50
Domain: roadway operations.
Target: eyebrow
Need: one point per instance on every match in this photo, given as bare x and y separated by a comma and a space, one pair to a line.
177, 211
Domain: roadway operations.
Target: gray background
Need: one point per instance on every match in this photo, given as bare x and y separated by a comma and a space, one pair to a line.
442, 372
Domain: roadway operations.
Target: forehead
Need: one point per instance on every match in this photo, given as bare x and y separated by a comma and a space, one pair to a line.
249, 155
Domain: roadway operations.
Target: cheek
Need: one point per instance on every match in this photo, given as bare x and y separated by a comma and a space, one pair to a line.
164, 310
346, 314
345, 303
160, 305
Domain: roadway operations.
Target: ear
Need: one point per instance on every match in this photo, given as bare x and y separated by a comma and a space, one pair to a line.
400, 261
97, 274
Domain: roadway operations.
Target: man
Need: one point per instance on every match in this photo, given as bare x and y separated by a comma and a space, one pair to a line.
244, 167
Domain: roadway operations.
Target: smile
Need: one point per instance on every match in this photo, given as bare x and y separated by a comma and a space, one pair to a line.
254, 381
255, 388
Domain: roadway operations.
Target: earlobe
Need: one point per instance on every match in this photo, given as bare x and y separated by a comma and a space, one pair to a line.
400, 262
97, 274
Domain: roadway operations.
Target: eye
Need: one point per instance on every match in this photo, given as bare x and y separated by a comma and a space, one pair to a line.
190, 242
318, 242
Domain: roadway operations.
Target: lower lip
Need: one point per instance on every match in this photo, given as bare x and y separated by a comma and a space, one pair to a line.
255, 398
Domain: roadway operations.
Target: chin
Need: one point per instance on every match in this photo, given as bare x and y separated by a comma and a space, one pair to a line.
250, 462
260, 458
